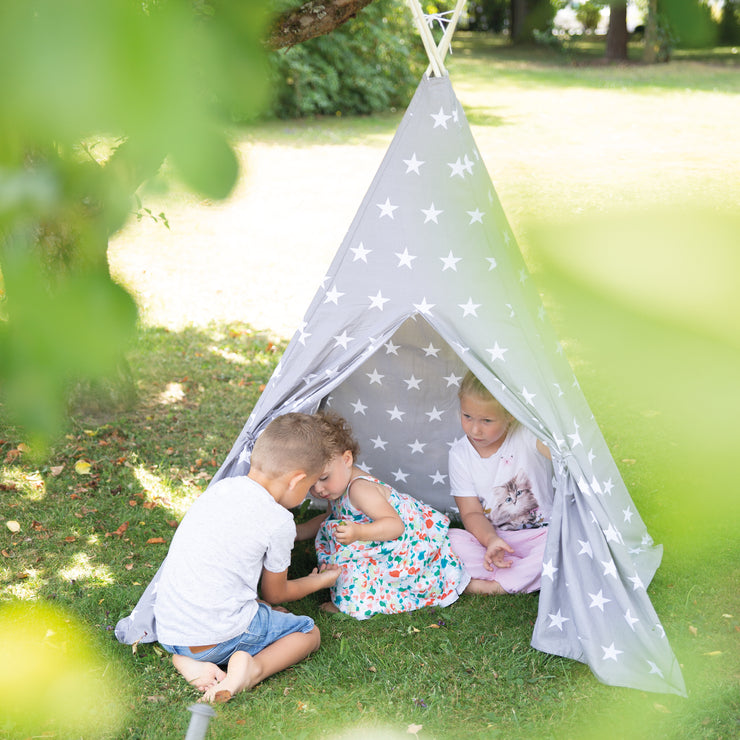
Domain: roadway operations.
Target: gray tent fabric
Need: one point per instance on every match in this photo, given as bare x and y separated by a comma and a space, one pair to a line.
429, 282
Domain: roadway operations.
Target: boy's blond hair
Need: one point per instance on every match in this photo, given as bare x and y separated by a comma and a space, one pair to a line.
291, 442
471, 386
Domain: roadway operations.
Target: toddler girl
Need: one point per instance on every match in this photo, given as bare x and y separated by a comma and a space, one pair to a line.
393, 550
501, 479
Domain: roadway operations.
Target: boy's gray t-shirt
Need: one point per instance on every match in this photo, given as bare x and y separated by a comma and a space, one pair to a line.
208, 588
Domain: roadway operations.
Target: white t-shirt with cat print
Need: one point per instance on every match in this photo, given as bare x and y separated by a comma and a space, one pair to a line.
514, 485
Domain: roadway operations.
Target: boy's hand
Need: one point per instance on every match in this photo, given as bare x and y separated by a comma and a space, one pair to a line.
327, 575
495, 554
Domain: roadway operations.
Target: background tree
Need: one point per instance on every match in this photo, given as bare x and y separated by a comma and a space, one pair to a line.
616, 35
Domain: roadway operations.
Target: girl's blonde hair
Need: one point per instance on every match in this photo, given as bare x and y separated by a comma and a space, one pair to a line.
471, 386
338, 436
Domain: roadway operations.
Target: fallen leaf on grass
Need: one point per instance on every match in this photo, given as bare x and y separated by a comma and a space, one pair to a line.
713, 653
155, 698
414, 729
7, 554
172, 522
82, 467
149, 504
70, 539
13, 526
129, 566
693, 630
56, 470
432, 626
119, 531
155, 541
662, 708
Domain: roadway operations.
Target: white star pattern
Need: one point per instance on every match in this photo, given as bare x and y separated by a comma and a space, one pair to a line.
612, 535
342, 340
430, 350
450, 262
476, 216
386, 209
424, 307
440, 119
497, 353
375, 377
469, 308
396, 414
654, 668
377, 301
391, 349
431, 213
598, 600
359, 407
458, 168
438, 478
333, 296
405, 259
636, 582
412, 383
631, 621
585, 549
413, 164
528, 397
610, 652
417, 446
360, 253
492, 264
610, 568
576, 437
378, 443
627, 514
549, 570
453, 379
557, 620
400, 476
434, 414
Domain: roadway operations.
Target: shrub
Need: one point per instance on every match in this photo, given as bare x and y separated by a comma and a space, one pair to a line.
372, 63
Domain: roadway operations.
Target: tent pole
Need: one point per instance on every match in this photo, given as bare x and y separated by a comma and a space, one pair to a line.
435, 62
444, 44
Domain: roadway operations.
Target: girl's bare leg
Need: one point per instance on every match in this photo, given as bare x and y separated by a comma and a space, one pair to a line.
246, 671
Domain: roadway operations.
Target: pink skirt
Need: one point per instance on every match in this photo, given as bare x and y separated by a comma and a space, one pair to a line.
526, 562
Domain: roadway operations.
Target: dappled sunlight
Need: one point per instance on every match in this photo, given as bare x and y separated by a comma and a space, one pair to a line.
159, 491
234, 357
30, 484
173, 393
81, 568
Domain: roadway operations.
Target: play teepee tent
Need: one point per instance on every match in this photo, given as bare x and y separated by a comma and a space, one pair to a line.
427, 283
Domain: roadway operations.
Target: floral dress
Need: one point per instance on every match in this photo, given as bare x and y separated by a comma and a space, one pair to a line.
415, 570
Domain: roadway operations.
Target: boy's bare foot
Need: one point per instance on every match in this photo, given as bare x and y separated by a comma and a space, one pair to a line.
480, 586
243, 673
329, 608
201, 675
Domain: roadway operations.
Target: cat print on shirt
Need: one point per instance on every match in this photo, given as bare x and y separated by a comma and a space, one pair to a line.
514, 505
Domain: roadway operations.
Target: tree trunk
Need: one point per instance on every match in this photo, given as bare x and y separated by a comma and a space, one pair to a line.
616, 36
650, 50
518, 11
312, 19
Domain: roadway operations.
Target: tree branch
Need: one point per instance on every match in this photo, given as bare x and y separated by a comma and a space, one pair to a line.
312, 19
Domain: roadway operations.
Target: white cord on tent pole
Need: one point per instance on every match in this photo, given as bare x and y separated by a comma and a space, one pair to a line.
445, 43
435, 62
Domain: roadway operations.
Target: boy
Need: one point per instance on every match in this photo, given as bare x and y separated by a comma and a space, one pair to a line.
239, 530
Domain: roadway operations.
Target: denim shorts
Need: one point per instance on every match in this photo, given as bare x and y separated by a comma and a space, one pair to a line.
267, 627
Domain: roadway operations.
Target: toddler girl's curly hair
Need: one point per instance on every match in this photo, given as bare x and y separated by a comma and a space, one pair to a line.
338, 434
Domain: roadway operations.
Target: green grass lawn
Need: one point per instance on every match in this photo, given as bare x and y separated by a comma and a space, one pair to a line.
622, 186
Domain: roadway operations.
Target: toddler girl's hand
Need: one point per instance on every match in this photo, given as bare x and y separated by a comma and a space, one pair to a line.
495, 554
345, 533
